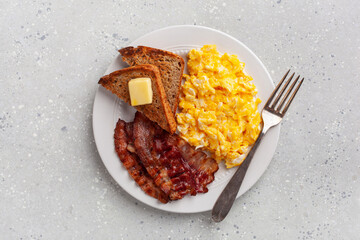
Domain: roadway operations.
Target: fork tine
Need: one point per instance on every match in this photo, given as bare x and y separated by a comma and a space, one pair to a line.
287, 94
281, 92
276, 89
291, 98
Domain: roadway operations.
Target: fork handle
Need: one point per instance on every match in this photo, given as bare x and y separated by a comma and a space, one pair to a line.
227, 197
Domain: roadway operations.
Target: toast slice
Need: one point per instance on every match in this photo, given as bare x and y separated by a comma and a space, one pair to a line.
159, 110
171, 67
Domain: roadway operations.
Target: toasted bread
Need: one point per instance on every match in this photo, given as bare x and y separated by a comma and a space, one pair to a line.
171, 67
159, 110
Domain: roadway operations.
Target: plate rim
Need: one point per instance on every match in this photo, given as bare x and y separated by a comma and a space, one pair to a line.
134, 43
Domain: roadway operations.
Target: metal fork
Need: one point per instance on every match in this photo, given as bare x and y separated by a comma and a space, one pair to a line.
272, 114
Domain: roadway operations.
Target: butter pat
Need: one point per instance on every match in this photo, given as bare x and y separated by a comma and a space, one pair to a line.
140, 91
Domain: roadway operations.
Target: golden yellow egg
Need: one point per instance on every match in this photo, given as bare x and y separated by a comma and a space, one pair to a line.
219, 107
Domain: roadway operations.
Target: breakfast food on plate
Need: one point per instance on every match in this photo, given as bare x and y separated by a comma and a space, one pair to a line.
171, 67
159, 110
165, 166
218, 106
218, 113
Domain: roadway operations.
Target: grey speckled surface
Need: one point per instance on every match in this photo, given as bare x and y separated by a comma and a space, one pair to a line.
53, 184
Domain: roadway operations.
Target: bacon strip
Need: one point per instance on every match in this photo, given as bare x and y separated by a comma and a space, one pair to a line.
203, 166
126, 152
176, 167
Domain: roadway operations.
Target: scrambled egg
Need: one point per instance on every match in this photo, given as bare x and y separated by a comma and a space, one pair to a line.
218, 106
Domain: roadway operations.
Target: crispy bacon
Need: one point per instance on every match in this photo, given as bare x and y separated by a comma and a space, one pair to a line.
202, 166
164, 166
126, 151
176, 167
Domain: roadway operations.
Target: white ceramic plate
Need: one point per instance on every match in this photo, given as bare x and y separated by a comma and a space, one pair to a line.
108, 109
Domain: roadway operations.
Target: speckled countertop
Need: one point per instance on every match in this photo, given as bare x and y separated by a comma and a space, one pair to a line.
53, 184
